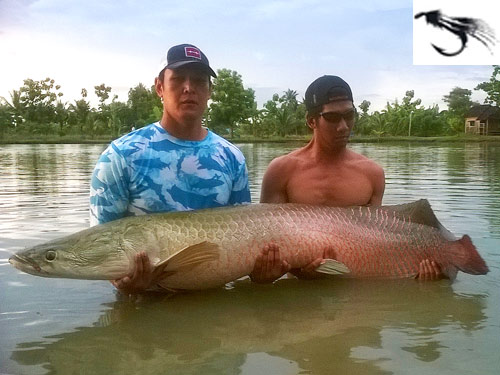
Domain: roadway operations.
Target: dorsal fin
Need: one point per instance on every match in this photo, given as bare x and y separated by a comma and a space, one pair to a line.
420, 212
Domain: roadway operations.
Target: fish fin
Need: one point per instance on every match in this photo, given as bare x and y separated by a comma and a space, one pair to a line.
466, 257
187, 258
450, 272
333, 267
420, 212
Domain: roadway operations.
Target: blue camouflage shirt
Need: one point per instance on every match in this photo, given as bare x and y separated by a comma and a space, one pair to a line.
149, 170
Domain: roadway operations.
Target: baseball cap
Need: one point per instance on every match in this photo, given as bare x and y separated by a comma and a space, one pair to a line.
326, 89
184, 54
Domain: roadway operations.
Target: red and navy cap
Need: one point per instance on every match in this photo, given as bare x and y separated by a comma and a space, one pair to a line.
326, 89
184, 54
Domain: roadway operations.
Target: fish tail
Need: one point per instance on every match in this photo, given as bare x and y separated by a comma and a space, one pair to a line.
467, 258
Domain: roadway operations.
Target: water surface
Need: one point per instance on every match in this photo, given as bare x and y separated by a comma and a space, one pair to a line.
57, 326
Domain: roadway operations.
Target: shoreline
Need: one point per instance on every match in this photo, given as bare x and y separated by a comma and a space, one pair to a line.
298, 139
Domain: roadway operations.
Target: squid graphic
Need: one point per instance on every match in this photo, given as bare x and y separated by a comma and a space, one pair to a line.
461, 27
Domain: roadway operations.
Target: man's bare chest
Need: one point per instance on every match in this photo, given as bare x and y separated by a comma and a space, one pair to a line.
330, 187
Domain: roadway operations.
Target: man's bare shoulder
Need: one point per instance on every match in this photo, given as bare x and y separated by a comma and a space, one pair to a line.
288, 161
369, 168
363, 161
277, 176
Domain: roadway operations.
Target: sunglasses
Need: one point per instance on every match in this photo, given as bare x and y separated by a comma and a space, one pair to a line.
335, 117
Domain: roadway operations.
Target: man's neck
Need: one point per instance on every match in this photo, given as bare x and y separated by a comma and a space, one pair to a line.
326, 154
187, 130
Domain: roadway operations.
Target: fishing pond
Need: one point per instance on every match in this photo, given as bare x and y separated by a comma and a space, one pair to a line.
334, 326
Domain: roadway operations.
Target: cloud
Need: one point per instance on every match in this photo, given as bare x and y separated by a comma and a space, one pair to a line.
273, 45
13, 12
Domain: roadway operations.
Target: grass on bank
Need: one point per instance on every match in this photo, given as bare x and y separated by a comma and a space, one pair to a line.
83, 139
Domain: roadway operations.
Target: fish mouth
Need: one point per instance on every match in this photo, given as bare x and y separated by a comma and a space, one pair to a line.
25, 264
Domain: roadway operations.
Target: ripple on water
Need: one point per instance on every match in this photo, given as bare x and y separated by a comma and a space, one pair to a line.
307, 327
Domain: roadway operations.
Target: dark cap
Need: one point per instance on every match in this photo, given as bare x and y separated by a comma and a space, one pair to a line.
327, 89
184, 54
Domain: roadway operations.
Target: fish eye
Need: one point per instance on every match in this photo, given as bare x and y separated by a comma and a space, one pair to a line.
50, 255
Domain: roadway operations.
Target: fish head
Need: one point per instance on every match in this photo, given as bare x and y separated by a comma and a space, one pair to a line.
93, 253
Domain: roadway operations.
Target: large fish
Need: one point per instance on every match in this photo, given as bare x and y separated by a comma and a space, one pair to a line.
208, 248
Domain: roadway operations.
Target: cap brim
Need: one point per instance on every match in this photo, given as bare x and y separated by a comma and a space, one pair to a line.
205, 67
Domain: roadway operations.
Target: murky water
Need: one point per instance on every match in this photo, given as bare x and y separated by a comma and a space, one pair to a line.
57, 326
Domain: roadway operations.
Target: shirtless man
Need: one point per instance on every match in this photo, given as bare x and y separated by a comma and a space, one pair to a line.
325, 172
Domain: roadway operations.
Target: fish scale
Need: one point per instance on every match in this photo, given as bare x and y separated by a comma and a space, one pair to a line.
208, 248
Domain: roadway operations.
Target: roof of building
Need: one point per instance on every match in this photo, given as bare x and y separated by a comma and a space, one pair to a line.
484, 111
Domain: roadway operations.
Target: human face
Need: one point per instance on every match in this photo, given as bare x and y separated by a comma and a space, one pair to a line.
184, 92
336, 122
335, 117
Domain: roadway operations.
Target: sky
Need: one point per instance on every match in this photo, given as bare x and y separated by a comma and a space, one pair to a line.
273, 45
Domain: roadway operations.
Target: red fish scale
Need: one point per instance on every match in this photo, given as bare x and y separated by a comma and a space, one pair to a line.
371, 242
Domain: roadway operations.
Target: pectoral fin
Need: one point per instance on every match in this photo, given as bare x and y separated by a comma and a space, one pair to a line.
333, 267
186, 259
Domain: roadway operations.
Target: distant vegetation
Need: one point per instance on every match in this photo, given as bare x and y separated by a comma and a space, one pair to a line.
38, 109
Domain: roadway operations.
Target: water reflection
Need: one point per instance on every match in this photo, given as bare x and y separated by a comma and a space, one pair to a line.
53, 325
302, 323
46, 186
258, 156
461, 181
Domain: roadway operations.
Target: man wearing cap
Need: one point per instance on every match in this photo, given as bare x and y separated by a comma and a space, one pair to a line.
325, 172
174, 164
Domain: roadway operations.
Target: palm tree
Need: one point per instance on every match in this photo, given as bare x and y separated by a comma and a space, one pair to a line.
15, 106
289, 99
378, 123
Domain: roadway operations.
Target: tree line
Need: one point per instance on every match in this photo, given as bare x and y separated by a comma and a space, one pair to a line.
38, 108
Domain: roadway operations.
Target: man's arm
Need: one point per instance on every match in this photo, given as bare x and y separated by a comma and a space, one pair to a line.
139, 280
109, 195
109, 198
240, 192
428, 270
269, 266
378, 182
274, 182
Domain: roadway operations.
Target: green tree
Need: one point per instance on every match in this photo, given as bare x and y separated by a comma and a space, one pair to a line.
407, 100
142, 103
5, 116
284, 115
101, 121
102, 91
364, 107
12, 112
289, 99
492, 87
428, 122
397, 116
232, 105
61, 116
80, 112
255, 126
37, 100
293, 114
377, 124
459, 103
395, 119
117, 122
362, 123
